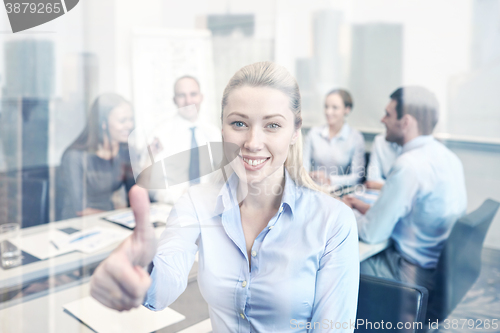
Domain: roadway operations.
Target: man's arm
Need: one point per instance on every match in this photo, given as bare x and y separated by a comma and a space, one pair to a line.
395, 201
374, 172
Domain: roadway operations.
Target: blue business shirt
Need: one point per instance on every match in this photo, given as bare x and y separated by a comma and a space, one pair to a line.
422, 198
382, 157
304, 264
341, 157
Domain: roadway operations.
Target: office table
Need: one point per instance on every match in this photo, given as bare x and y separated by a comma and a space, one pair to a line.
46, 313
25, 274
43, 312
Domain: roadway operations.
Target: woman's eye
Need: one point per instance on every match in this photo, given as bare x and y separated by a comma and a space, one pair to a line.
238, 123
274, 126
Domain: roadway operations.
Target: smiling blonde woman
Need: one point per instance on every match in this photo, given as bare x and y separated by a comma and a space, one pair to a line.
275, 254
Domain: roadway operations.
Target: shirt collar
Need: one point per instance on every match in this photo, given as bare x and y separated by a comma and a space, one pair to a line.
343, 134
419, 141
184, 123
289, 193
227, 198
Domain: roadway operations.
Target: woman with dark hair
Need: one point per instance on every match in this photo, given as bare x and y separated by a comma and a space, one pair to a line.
97, 163
335, 153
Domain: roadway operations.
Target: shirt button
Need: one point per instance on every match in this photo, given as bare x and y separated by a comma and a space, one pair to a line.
254, 253
281, 209
242, 316
244, 284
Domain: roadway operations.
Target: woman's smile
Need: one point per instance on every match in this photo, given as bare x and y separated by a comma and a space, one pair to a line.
259, 121
253, 163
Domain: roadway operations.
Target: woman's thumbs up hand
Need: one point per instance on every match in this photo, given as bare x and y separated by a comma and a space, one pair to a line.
120, 282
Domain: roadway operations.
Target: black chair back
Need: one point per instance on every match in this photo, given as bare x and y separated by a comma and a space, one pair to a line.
367, 162
35, 202
400, 306
24, 197
460, 262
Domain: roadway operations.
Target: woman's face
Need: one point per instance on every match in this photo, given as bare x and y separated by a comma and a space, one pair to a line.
260, 122
335, 110
121, 123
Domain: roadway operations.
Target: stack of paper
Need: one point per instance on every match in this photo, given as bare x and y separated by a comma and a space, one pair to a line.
368, 196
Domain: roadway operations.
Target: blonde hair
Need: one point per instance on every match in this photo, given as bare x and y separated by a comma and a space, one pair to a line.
271, 75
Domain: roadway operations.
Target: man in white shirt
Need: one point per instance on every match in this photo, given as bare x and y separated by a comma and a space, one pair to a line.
181, 135
422, 198
382, 157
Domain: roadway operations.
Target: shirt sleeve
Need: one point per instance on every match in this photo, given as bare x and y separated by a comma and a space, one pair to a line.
357, 165
337, 280
174, 257
374, 172
307, 151
394, 202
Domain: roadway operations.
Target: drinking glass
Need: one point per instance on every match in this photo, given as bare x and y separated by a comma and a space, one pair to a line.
10, 253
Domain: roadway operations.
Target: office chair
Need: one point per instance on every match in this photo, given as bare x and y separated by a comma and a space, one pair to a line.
367, 162
395, 303
34, 200
460, 262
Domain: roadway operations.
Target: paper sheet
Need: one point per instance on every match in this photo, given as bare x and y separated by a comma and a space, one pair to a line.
92, 239
40, 246
104, 320
156, 214
368, 196
55, 242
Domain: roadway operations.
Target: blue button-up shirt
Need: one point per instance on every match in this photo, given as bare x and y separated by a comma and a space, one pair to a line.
304, 272
422, 198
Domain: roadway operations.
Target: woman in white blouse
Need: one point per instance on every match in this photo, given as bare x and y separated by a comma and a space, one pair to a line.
335, 153
275, 254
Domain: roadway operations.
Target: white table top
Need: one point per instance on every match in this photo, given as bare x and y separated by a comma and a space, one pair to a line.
46, 313
368, 250
23, 274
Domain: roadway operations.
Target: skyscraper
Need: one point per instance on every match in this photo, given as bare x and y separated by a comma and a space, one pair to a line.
326, 28
376, 70
485, 33
29, 69
24, 130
